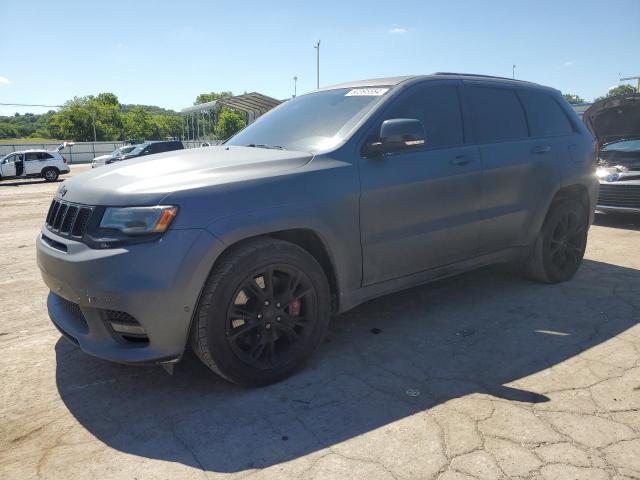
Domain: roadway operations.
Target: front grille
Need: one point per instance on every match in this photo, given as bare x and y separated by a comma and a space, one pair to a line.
73, 309
626, 196
68, 219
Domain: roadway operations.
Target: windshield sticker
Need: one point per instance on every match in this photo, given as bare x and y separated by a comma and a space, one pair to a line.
366, 92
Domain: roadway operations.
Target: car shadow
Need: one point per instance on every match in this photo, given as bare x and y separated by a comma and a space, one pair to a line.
384, 361
20, 183
626, 221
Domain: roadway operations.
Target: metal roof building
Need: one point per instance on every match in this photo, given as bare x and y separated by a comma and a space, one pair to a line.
201, 118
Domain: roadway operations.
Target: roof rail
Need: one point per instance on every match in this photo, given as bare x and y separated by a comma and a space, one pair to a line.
480, 75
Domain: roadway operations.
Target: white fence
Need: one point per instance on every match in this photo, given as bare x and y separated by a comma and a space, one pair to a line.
83, 152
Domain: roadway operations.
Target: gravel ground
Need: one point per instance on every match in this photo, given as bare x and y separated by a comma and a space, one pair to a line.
480, 376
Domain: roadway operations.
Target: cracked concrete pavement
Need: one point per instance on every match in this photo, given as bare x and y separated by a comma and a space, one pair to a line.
482, 376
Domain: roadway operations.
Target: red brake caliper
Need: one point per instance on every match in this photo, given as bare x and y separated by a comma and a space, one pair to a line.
294, 308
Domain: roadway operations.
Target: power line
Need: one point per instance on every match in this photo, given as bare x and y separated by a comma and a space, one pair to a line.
29, 105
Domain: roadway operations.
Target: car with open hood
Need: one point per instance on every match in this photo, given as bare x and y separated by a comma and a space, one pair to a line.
244, 250
615, 122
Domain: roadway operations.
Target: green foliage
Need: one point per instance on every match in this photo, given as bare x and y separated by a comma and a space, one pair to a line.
210, 97
138, 124
229, 122
618, 90
113, 121
27, 125
573, 98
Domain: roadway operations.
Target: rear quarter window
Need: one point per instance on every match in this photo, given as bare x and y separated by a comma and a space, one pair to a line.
546, 116
496, 114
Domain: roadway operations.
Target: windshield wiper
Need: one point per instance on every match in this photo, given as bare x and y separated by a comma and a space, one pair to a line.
264, 145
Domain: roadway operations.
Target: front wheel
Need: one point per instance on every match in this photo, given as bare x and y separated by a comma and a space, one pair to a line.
559, 248
263, 311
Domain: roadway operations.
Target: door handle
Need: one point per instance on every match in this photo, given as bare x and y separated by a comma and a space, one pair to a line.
460, 161
540, 149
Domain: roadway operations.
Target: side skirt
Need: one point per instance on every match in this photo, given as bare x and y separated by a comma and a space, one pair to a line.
355, 298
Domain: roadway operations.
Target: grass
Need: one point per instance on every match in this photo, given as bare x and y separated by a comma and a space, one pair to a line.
17, 141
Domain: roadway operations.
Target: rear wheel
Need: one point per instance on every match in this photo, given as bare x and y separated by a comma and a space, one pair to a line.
264, 310
50, 174
559, 248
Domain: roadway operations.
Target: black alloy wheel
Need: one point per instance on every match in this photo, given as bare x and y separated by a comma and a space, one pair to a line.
263, 312
271, 315
567, 242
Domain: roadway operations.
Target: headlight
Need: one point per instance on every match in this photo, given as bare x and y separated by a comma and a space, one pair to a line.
139, 220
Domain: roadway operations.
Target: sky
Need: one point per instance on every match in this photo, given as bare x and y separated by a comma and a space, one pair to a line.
166, 53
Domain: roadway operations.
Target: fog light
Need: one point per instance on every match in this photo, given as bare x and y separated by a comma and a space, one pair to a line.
127, 328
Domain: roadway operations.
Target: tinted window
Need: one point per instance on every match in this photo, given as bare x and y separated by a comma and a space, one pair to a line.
545, 115
32, 156
438, 109
496, 114
44, 156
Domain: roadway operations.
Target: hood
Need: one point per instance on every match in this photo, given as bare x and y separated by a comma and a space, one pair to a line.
146, 180
101, 158
614, 118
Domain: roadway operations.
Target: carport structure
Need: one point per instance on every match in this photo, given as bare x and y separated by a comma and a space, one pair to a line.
200, 119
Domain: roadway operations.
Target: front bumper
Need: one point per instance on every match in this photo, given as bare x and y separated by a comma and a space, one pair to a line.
157, 284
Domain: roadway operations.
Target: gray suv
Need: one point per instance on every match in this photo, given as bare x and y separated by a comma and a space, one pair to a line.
245, 250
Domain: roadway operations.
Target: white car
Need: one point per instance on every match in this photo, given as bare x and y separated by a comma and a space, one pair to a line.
107, 159
47, 164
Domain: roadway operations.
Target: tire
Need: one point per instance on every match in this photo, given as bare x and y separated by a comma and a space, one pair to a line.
50, 174
559, 248
263, 292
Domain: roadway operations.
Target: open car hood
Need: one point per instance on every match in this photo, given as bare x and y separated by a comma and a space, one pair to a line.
614, 119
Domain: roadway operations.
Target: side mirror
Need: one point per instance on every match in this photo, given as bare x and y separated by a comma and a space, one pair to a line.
400, 134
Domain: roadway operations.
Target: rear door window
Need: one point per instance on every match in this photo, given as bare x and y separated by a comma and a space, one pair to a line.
32, 156
496, 114
546, 116
438, 108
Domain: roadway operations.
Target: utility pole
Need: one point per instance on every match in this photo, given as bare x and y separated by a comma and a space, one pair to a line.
633, 78
93, 117
317, 47
295, 86
513, 72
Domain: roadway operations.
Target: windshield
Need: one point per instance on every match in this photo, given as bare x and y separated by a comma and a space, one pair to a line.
311, 122
624, 146
125, 150
623, 155
138, 149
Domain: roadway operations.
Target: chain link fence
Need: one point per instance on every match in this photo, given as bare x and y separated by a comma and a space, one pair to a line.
85, 152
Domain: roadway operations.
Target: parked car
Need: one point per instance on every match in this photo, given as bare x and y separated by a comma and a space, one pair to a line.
112, 157
152, 147
335, 197
615, 122
46, 164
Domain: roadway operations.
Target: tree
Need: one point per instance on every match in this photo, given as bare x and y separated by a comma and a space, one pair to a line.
573, 98
210, 97
617, 90
229, 122
169, 125
78, 117
138, 124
